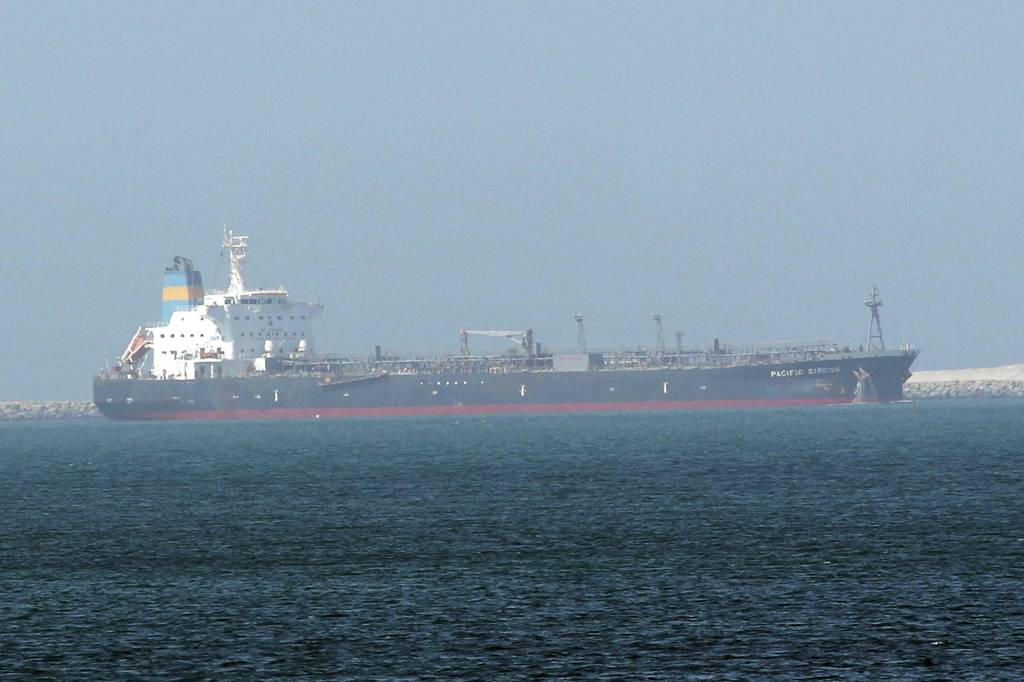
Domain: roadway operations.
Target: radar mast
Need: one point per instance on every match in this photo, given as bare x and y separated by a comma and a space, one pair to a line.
235, 246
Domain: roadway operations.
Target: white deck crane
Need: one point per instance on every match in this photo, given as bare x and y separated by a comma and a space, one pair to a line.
522, 337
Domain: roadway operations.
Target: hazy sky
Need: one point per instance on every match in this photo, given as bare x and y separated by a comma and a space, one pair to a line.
749, 170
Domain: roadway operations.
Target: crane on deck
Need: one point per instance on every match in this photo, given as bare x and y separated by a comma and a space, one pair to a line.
522, 337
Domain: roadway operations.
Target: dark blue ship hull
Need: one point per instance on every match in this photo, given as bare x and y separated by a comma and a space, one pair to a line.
831, 380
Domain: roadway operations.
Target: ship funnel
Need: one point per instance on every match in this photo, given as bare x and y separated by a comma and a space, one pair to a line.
183, 288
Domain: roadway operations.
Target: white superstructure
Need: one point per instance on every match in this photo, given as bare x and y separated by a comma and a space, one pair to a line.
228, 333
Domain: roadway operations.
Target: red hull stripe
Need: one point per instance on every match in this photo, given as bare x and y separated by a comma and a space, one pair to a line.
432, 410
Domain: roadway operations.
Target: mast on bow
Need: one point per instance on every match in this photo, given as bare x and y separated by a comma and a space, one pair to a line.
875, 326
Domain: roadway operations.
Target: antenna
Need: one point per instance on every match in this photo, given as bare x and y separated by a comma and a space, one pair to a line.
660, 333
236, 257
679, 344
581, 339
874, 303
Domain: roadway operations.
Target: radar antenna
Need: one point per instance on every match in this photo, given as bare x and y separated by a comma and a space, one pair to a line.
235, 246
875, 326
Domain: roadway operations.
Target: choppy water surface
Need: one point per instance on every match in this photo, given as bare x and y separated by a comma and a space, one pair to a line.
827, 543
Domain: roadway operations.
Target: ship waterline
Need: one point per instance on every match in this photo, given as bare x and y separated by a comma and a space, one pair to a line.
832, 381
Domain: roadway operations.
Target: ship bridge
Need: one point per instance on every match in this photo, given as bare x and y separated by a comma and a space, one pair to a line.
248, 297
263, 297
234, 328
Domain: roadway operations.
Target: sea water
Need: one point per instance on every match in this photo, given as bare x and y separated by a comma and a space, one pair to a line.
856, 542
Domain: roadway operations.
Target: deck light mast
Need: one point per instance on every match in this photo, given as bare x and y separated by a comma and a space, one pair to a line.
875, 326
660, 330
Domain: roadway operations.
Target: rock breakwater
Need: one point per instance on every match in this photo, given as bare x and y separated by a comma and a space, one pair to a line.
984, 382
47, 409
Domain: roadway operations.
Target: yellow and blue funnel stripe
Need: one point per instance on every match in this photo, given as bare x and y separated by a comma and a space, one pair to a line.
183, 288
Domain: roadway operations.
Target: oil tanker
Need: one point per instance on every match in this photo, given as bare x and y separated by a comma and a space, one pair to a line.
245, 353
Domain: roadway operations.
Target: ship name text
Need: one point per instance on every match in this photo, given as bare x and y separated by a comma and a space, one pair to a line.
811, 371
